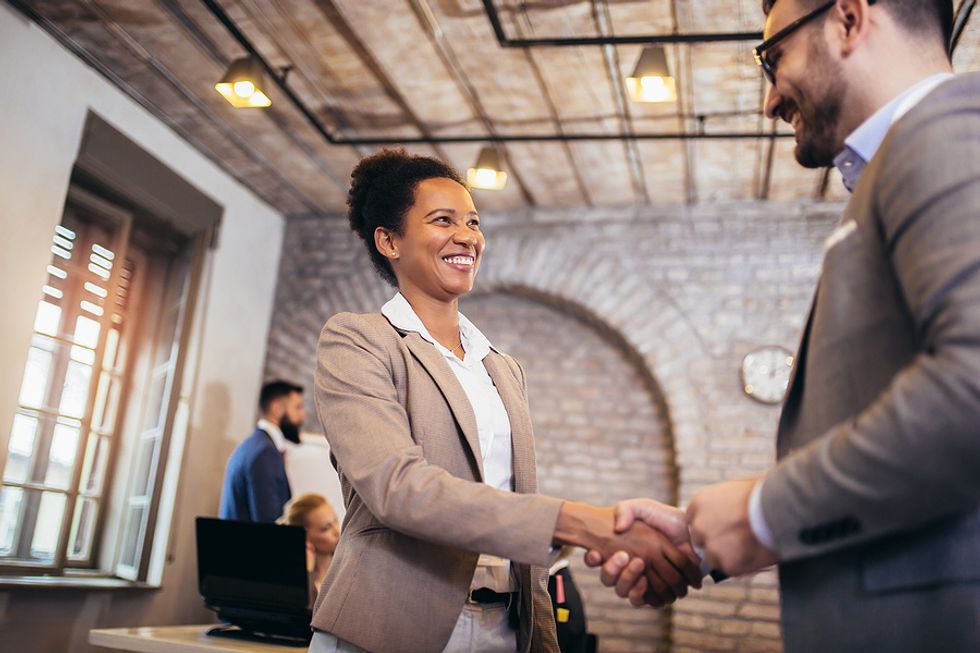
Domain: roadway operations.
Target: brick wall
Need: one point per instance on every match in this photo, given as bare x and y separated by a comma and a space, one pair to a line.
632, 325
600, 428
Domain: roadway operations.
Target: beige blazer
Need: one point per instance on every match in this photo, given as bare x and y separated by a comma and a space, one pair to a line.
404, 441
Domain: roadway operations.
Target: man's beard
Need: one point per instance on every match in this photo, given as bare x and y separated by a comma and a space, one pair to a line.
289, 430
817, 141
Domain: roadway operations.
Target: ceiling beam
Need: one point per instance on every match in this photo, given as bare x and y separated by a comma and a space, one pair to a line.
765, 181
279, 79
339, 22
171, 81
600, 13
193, 31
685, 100
959, 23
300, 65
559, 130
823, 183
430, 24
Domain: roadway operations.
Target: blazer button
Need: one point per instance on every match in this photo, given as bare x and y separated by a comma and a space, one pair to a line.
808, 536
835, 530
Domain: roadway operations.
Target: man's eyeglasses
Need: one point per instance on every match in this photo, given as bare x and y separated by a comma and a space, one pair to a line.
760, 51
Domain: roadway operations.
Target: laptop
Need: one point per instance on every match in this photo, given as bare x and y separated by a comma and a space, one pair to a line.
254, 577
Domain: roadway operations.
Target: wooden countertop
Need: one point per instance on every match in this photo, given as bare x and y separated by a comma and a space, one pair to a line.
179, 639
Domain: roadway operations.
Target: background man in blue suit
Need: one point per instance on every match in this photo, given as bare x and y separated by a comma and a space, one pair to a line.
256, 487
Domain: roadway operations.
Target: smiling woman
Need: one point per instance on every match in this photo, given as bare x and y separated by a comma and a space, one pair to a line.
437, 254
446, 542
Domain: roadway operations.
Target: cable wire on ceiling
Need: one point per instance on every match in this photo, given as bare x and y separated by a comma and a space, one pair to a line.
275, 73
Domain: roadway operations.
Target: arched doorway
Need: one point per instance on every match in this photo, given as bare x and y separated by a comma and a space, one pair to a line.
601, 429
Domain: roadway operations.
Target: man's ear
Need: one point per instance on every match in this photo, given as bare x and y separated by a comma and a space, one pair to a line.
851, 23
277, 409
384, 241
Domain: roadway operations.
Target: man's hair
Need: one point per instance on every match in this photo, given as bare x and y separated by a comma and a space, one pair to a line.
276, 390
916, 16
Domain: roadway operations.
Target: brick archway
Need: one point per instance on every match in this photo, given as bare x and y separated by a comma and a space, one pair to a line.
638, 315
684, 293
602, 433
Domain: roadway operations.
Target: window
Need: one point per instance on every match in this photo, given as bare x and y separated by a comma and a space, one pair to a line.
87, 446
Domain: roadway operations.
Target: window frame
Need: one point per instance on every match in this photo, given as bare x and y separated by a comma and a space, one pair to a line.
196, 249
103, 556
121, 220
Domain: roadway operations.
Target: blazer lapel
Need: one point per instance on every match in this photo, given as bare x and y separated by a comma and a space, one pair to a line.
795, 384
448, 384
522, 441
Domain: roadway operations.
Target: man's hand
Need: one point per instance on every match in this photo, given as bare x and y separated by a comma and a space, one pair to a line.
667, 571
310, 556
626, 573
719, 518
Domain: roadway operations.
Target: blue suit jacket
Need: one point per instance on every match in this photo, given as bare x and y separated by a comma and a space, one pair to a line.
255, 487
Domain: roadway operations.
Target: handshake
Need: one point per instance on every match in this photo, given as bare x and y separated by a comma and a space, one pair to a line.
651, 553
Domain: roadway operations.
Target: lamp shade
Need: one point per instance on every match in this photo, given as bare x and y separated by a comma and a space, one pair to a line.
242, 84
486, 174
651, 80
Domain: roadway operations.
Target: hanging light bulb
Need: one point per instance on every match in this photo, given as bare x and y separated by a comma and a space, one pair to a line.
486, 174
651, 80
242, 84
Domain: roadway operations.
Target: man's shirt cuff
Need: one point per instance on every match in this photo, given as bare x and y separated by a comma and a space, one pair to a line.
757, 518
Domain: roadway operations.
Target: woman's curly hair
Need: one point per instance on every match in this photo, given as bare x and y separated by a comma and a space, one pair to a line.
382, 190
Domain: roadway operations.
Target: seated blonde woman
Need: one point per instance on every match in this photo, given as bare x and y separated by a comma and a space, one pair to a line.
314, 513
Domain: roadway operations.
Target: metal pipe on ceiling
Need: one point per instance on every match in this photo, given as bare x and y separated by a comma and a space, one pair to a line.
280, 80
643, 39
959, 23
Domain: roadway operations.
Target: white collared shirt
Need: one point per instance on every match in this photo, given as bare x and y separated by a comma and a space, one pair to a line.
275, 433
492, 422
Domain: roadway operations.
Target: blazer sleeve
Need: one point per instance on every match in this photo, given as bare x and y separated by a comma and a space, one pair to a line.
914, 454
370, 435
264, 479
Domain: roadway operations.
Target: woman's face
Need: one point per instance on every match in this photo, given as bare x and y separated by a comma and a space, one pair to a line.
439, 250
323, 530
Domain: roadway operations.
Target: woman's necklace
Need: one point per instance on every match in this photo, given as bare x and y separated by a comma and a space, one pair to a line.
453, 350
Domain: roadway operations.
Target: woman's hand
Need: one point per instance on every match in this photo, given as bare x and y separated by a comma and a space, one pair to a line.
629, 574
667, 570
310, 556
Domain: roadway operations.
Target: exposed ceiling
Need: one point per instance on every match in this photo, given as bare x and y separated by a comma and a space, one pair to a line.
431, 68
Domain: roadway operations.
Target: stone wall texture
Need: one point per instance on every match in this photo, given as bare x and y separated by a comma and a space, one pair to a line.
631, 325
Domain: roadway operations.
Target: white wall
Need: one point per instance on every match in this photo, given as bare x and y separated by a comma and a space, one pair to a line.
309, 470
46, 95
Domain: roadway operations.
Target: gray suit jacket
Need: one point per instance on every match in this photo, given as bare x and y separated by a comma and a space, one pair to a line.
875, 503
404, 441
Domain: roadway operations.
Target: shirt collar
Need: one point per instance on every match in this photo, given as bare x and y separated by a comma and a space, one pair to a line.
275, 433
402, 316
861, 146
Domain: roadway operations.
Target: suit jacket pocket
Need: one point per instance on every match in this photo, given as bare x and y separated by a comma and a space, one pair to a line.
942, 552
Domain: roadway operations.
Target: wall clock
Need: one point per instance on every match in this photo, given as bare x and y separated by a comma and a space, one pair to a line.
765, 373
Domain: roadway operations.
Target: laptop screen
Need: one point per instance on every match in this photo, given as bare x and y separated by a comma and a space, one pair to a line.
247, 564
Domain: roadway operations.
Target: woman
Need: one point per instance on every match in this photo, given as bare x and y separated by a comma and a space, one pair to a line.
446, 544
314, 513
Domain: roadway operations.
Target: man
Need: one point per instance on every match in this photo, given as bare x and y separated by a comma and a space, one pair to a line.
256, 487
873, 511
